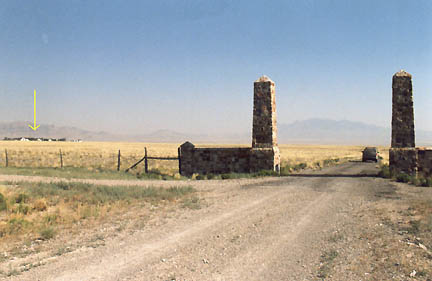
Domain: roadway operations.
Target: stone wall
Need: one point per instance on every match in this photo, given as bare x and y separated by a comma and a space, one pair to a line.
265, 159
424, 162
264, 153
195, 160
403, 160
411, 161
213, 160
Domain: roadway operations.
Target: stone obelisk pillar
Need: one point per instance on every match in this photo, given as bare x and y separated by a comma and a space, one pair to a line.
403, 155
402, 111
265, 152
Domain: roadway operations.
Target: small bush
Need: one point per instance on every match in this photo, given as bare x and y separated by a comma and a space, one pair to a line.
414, 227
227, 176
266, 173
23, 209
385, 172
16, 225
403, 178
200, 177
150, 175
328, 162
415, 181
40, 205
155, 171
300, 166
3, 204
50, 219
63, 185
211, 176
285, 170
429, 182
21, 198
192, 203
426, 182
47, 232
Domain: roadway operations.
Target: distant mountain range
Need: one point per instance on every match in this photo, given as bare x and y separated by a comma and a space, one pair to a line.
311, 131
326, 131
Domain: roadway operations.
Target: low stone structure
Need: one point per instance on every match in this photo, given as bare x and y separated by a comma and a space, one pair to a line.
404, 157
403, 160
411, 161
424, 162
264, 153
213, 160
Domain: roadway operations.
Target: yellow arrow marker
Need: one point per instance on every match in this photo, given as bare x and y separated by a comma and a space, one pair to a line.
34, 127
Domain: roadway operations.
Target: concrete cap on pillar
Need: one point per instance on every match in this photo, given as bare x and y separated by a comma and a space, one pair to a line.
187, 145
264, 79
402, 73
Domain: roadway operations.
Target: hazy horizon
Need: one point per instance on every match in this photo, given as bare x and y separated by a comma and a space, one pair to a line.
189, 66
311, 131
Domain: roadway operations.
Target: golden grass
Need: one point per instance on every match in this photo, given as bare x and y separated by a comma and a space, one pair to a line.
91, 155
103, 155
37, 209
311, 154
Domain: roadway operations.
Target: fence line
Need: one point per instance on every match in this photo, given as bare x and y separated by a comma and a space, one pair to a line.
118, 161
82, 160
6, 158
146, 158
61, 159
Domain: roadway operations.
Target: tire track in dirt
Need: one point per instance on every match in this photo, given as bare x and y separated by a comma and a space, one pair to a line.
122, 260
257, 258
265, 229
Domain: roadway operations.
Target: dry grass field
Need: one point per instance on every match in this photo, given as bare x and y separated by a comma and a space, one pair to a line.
103, 155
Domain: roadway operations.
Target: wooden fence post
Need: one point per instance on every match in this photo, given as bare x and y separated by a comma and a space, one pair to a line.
61, 159
7, 160
145, 161
118, 161
179, 159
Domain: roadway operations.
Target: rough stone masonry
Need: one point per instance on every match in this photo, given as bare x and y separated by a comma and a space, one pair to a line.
404, 156
264, 153
402, 111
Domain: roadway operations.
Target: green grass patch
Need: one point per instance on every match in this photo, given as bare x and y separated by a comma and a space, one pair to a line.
39, 209
84, 173
425, 182
327, 260
97, 194
262, 173
3, 203
193, 203
384, 171
16, 225
47, 232
403, 178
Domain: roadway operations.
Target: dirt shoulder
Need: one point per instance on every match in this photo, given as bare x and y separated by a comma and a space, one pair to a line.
294, 228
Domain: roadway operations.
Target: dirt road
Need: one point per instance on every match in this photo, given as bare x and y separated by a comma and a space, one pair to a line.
293, 228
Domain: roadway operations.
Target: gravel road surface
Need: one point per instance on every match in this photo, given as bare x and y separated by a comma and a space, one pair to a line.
249, 229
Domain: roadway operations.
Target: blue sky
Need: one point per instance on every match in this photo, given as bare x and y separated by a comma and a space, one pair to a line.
189, 66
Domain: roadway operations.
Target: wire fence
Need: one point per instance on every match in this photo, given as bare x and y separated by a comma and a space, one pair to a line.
111, 161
